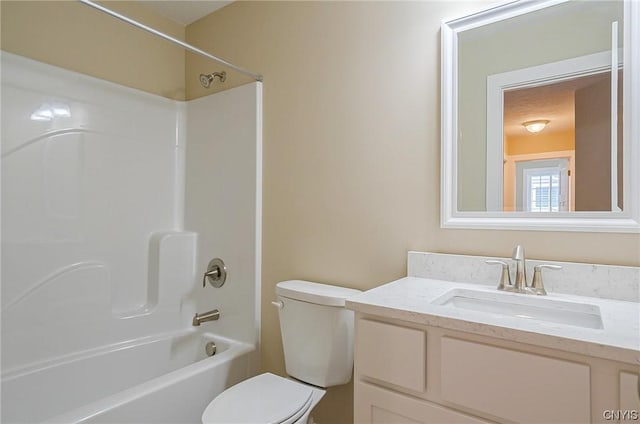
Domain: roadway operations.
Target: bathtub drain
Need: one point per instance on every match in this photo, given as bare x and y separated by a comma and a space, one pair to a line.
210, 348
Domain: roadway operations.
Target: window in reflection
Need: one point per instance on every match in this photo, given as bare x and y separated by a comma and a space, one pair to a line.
545, 187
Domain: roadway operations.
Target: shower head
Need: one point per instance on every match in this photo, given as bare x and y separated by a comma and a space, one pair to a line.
207, 79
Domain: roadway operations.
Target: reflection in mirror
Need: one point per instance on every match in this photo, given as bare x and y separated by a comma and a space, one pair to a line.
556, 139
537, 103
523, 51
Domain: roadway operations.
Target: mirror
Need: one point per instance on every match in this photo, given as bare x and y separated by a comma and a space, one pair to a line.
538, 100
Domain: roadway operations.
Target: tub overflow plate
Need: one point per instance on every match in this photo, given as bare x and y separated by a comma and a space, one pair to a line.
210, 348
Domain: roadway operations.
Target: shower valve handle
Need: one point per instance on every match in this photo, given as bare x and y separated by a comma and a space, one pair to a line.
213, 274
216, 273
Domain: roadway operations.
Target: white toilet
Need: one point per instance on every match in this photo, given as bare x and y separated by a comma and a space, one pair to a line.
317, 336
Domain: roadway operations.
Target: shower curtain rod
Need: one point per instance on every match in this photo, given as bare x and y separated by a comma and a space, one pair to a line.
187, 46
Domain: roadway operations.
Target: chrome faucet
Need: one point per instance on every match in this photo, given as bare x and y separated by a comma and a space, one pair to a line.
206, 316
520, 284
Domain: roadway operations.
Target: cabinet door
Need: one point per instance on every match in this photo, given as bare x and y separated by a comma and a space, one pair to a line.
514, 385
374, 405
629, 392
392, 354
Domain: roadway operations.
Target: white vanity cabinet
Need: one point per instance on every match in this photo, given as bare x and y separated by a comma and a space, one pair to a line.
415, 373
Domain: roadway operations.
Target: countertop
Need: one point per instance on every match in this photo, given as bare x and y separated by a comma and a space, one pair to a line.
410, 299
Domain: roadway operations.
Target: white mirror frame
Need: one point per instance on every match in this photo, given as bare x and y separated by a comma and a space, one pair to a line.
627, 221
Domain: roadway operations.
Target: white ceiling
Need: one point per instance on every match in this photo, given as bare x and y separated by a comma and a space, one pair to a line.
184, 12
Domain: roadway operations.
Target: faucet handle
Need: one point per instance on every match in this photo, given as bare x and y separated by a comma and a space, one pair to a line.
505, 277
213, 274
537, 285
216, 273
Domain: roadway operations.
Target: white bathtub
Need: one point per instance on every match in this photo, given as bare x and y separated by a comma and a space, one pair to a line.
167, 378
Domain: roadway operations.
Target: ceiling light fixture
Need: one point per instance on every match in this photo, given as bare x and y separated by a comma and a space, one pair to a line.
535, 126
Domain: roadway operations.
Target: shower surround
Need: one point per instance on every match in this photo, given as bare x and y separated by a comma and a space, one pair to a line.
113, 202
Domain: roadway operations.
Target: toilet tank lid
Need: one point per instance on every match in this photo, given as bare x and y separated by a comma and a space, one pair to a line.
320, 294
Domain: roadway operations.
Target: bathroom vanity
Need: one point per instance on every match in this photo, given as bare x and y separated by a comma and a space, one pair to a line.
443, 345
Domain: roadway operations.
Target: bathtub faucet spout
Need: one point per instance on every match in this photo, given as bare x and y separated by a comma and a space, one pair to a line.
206, 316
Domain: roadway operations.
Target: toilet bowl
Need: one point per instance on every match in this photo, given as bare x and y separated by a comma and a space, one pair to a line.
317, 338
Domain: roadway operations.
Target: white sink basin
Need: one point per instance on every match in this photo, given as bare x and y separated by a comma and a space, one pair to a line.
524, 306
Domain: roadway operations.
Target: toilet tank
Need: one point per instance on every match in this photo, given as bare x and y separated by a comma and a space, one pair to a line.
317, 332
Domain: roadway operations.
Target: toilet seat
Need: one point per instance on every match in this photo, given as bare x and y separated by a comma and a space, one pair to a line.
266, 398
294, 419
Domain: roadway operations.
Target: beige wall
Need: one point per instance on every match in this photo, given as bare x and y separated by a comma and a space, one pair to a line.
71, 35
352, 149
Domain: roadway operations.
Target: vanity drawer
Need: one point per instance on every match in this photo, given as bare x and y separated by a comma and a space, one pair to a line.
376, 405
392, 354
514, 385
